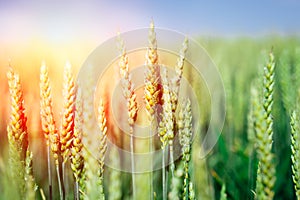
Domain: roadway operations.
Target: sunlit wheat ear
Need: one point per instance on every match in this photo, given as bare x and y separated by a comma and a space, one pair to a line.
295, 148
264, 133
127, 86
30, 184
178, 76
67, 128
17, 123
17, 135
77, 160
48, 122
185, 132
152, 76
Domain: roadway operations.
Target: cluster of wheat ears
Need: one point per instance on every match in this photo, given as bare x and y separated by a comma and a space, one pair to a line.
66, 151
65, 148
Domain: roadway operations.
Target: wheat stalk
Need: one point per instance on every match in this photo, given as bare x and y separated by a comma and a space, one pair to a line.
166, 133
132, 108
152, 77
102, 141
178, 75
77, 160
295, 148
49, 128
151, 90
17, 134
67, 128
67, 125
185, 134
264, 132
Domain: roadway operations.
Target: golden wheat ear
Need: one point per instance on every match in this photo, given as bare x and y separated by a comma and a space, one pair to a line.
17, 124
49, 128
17, 135
67, 128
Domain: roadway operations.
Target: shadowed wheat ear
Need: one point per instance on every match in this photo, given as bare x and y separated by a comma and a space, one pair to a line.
67, 128
295, 148
184, 123
264, 133
132, 107
77, 160
17, 135
49, 127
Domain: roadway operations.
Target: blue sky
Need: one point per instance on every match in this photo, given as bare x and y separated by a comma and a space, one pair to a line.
65, 19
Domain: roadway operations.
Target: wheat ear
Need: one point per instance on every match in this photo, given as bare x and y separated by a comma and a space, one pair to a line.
166, 133
264, 133
132, 108
151, 91
102, 142
178, 75
67, 125
184, 123
49, 127
69, 95
295, 148
17, 133
77, 160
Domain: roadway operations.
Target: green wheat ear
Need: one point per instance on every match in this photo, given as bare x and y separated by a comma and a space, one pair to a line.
185, 129
264, 132
295, 152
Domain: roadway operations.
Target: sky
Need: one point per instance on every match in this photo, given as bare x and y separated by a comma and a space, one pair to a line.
63, 20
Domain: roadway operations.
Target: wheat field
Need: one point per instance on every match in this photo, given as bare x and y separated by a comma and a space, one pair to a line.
47, 150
